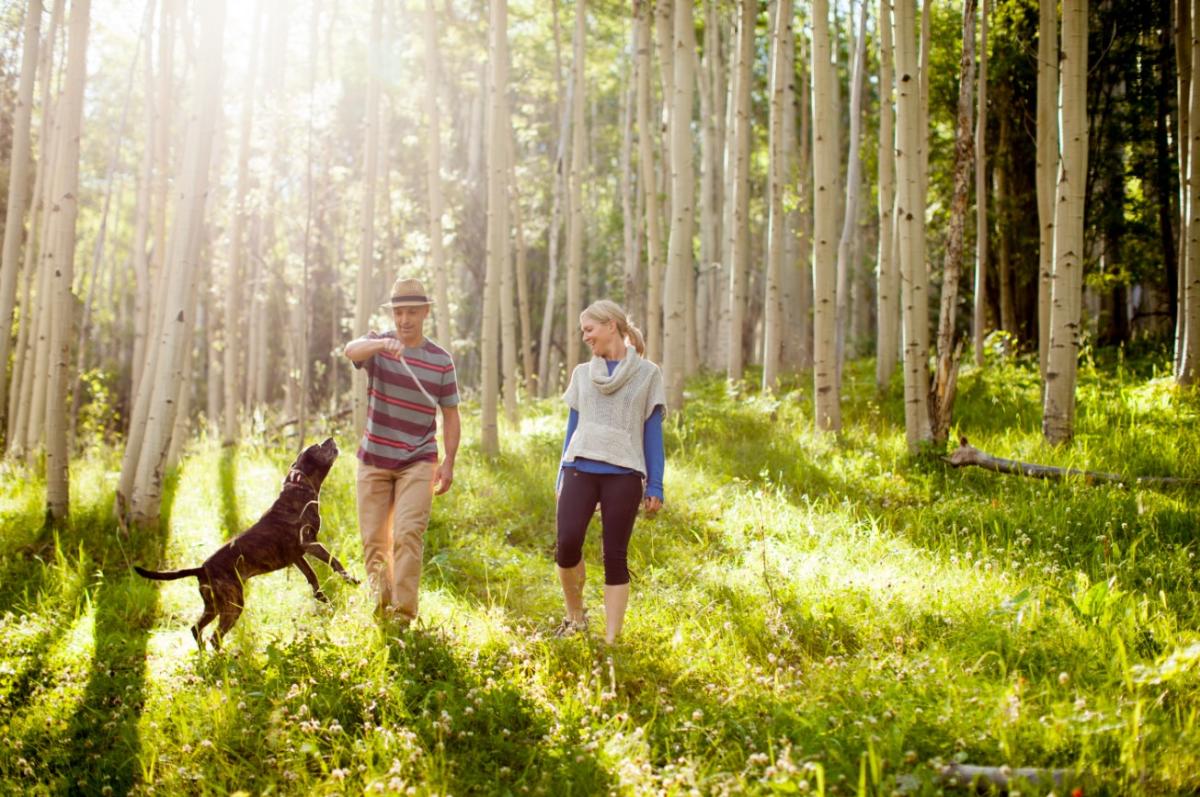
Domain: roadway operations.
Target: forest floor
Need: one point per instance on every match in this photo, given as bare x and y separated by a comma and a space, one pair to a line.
810, 613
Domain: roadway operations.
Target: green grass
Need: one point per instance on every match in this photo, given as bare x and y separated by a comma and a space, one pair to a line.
810, 614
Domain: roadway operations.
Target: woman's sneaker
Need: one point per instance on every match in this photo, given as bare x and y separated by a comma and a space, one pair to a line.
569, 627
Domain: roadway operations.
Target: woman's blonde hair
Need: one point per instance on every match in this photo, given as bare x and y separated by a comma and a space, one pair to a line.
605, 310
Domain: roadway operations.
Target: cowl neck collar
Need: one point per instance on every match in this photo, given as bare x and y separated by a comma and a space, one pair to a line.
598, 371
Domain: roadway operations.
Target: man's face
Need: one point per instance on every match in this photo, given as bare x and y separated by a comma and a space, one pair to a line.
410, 322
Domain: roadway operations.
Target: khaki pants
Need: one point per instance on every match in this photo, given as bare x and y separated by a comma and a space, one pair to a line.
393, 511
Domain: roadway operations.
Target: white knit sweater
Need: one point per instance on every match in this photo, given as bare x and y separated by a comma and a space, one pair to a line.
613, 409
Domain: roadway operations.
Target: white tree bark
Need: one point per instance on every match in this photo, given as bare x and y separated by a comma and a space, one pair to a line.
910, 228
777, 222
683, 208
647, 135
979, 316
1188, 370
827, 404
18, 182
845, 263
1066, 294
887, 272
433, 178
183, 267
563, 105
497, 228
364, 305
61, 258
575, 191
1047, 161
1183, 87
503, 241
739, 229
25, 364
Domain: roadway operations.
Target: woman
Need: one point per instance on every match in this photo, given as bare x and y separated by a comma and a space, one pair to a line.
613, 449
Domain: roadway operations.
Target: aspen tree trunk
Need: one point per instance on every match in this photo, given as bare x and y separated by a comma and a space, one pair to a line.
979, 317
433, 178
61, 257
24, 366
691, 362
887, 273
503, 241
664, 40
366, 252
522, 277
1188, 371
710, 179
795, 352
44, 313
178, 316
683, 219
562, 105
163, 105
739, 229
575, 263
647, 132
235, 279
1183, 87
497, 228
827, 404
910, 210
1047, 161
777, 215
714, 66
1008, 320
1058, 412
946, 375
630, 272
140, 258
84, 325
18, 184
845, 262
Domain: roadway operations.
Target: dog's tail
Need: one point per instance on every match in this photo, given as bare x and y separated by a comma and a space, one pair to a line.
169, 575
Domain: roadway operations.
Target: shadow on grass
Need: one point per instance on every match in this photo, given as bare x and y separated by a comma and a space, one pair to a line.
100, 745
427, 706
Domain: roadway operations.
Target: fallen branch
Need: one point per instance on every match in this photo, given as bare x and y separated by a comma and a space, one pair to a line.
988, 778
967, 454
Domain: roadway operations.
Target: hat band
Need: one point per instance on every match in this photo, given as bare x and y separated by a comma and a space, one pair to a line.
412, 297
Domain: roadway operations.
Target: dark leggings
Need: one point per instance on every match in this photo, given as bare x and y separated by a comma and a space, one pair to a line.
619, 495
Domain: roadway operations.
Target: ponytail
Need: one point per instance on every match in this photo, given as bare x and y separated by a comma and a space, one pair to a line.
605, 310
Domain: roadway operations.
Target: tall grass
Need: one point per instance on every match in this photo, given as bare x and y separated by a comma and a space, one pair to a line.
810, 614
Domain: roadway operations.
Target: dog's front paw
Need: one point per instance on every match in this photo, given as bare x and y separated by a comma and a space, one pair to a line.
351, 580
321, 596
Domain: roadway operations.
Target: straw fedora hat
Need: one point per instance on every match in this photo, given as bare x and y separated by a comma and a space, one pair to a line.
408, 293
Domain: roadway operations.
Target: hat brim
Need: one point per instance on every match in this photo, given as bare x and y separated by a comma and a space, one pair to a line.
428, 303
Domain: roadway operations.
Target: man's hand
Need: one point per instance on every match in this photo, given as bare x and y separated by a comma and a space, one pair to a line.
391, 346
651, 504
443, 477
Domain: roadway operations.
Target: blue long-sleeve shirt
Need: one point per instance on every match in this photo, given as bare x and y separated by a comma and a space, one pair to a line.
652, 449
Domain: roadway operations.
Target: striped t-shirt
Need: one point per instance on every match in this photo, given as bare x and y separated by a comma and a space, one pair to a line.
401, 421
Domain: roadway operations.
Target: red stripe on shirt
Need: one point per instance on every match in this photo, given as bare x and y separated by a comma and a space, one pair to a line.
408, 405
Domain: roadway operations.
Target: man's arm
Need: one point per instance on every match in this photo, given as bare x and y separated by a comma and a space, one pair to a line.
362, 349
443, 477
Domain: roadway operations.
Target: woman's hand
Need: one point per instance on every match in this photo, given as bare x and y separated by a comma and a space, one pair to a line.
651, 504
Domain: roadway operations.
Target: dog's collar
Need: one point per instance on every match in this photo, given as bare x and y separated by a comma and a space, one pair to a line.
303, 476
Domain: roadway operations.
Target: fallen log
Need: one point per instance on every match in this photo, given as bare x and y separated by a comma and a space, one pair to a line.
967, 455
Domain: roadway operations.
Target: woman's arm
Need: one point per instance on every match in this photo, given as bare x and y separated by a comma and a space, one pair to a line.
656, 458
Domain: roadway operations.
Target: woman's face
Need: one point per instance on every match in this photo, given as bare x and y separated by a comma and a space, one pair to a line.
599, 336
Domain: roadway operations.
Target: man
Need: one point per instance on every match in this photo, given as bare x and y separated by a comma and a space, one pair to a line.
408, 378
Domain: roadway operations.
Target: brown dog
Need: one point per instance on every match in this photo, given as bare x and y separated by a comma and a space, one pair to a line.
281, 537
